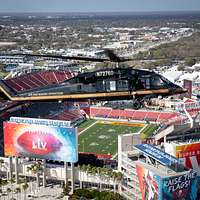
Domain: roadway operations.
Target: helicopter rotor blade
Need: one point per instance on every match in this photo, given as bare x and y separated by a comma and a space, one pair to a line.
115, 58
112, 56
63, 57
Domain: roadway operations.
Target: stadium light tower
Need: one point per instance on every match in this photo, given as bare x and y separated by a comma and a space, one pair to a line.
188, 115
184, 108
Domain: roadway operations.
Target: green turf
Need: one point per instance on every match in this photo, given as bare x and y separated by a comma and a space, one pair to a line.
148, 131
102, 138
86, 123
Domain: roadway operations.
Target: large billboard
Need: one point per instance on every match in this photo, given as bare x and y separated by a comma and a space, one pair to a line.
157, 154
154, 187
180, 187
47, 122
40, 141
149, 183
189, 153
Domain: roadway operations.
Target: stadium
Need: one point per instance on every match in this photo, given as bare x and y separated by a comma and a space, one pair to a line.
101, 136
109, 134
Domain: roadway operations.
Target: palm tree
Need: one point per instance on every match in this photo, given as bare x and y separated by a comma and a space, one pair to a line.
17, 190
80, 176
93, 172
3, 183
100, 175
114, 177
66, 190
87, 171
36, 168
106, 176
9, 191
24, 187
83, 168
12, 181
119, 179
1, 163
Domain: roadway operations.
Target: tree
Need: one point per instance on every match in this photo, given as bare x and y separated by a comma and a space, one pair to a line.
100, 174
36, 168
119, 178
24, 187
82, 168
1, 163
17, 190
80, 176
190, 61
94, 194
114, 177
3, 183
103, 174
180, 68
66, 190
87, 171
9, 191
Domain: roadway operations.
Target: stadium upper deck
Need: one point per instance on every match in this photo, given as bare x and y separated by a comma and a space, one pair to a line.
26, 85
37, 80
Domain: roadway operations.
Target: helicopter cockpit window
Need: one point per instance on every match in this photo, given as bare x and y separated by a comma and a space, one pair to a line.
166, 80
122, 84
157, 82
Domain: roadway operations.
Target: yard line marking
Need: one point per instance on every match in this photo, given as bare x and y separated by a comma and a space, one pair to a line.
88, 127
140, 131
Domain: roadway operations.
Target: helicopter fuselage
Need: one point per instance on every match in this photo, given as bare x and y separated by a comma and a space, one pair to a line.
106, 84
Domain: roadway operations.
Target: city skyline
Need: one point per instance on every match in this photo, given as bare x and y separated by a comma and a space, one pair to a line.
98, 6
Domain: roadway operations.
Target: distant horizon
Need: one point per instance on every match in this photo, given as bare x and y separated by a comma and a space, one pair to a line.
101, 12
95, 6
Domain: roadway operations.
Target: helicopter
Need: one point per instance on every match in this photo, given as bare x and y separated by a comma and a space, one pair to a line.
118, 83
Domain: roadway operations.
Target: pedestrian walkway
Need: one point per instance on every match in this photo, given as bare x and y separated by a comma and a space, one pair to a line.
51, 192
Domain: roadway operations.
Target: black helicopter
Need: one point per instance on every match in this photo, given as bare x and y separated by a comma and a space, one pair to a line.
105, 84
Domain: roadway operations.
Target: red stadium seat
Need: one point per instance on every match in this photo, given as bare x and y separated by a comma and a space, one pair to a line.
67, 115
142, 115
37, 80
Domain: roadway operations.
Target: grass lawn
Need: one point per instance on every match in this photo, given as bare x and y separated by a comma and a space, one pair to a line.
148, 131
102, 137
86, 123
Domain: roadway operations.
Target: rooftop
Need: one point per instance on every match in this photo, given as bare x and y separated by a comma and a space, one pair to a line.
156, 166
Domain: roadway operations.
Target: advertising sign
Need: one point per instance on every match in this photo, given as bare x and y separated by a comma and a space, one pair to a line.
180, 187
157, 154
149, 183
189, 151
47, 122
153, 187
40, 141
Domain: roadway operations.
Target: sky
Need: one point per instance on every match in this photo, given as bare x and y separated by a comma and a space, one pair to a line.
98, 5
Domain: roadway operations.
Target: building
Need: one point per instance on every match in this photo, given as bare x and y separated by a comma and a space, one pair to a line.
187, 151
150, 173
6, 59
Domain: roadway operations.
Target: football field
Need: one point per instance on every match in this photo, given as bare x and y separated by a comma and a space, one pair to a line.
101, 136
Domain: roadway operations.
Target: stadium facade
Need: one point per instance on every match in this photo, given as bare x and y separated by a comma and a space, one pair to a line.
150, 173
